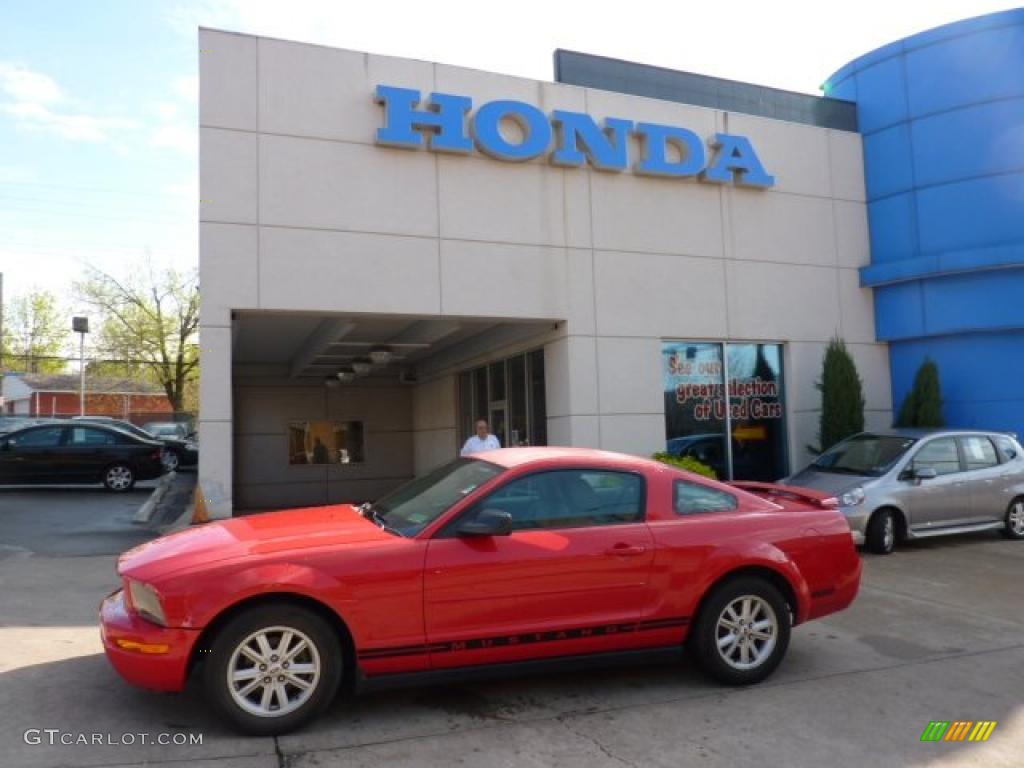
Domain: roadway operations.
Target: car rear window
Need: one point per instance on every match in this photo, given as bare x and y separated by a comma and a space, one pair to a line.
1007, 447
695, 498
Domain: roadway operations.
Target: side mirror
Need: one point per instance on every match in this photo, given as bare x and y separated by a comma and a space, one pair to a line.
487, 522
925, 473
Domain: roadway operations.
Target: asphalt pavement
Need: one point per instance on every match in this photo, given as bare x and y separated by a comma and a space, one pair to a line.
936, 634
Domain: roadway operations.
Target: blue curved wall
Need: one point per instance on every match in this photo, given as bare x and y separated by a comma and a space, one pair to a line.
942, 116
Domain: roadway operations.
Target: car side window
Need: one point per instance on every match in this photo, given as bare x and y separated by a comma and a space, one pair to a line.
48, 437
940, 454
92, 436
694, 498
570, 498
1007, 447
979, 453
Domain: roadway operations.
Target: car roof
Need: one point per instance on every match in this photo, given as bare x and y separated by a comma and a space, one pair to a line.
514, 457
919, 432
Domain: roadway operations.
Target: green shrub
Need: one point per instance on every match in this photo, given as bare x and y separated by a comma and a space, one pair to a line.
922, 406
686, 462
842, 397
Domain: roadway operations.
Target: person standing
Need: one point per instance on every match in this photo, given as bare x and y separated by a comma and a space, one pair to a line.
482, 441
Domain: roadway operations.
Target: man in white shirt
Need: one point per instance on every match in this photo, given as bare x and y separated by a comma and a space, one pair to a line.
483, 440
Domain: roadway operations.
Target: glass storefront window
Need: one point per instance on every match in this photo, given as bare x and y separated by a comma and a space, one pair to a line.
699, 379
695, 403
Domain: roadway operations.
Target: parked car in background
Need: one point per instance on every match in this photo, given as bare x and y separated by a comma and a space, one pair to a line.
168, 429
912, 483
67, 452
510, 556
178, 452
709, 449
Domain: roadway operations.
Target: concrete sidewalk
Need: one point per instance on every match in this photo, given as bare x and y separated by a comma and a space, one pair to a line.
937, 634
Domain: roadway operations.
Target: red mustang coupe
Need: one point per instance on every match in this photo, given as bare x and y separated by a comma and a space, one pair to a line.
516, 556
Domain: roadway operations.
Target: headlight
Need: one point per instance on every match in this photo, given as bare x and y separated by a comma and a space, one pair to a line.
146, 602
852, 498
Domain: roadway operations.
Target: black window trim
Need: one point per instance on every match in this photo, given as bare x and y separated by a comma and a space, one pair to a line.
449, 530
679, 480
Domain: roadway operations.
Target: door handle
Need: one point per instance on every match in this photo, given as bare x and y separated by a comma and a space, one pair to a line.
626, 550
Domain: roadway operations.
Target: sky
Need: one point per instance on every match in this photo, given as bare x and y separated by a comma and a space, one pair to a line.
98, 99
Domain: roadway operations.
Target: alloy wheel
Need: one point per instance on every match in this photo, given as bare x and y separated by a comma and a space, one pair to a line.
273, 671
746, 632
119, 478
1016, 518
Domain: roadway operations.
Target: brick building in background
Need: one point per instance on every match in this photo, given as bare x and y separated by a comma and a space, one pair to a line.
57, 395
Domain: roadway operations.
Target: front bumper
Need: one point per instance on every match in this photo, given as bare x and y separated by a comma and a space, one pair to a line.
857, 518
143, 653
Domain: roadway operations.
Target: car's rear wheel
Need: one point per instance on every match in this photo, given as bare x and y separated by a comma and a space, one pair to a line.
273, 668
742, 631
881, 533
1014, 528
118, 478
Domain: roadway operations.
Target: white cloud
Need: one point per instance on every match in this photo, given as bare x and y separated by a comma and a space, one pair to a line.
37, 102
25, 85
187, 88
179, 135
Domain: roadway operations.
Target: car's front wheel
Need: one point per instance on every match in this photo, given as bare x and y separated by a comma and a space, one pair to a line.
742, 631
273, 668
1014, 528
172, 461
881, 533
118, 478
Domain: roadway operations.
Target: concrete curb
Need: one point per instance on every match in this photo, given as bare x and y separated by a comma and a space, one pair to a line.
145, 512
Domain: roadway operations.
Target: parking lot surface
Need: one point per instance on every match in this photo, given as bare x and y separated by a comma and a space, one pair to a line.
937, 633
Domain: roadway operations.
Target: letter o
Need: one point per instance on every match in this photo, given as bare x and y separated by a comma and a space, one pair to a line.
486, 128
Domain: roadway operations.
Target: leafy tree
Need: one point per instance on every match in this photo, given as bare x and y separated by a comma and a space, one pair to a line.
149, 324
842, 397
35, 334
922, 406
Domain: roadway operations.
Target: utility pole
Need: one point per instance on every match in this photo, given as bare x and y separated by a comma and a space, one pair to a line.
80, 325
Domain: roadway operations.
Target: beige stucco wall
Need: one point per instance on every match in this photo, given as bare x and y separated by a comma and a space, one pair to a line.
302, 211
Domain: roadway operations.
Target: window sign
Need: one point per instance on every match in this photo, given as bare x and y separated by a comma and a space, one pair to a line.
713, 390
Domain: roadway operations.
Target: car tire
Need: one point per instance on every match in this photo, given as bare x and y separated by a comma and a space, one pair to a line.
1014, 528
118, 478
742, 632
248, 702
172, 460
880, 538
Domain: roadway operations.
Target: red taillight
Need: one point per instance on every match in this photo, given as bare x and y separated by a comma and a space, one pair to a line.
158, 455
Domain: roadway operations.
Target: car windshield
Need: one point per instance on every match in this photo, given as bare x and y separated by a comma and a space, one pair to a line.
412, 507
871, 455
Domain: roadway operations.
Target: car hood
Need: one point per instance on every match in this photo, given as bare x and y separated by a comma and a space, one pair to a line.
258, 535
833, 482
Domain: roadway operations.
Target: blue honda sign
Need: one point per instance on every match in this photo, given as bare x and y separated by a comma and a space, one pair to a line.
568, 139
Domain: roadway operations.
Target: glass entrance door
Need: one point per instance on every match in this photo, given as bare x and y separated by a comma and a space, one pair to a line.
509, 394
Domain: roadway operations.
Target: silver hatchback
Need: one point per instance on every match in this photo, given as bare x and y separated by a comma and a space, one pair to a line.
912, 483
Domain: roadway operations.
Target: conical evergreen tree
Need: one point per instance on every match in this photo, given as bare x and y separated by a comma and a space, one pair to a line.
922, 406
842, 396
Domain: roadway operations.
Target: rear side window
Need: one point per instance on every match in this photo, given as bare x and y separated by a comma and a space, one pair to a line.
939, 454
1007, 447
92, 436
979, 453
694, 498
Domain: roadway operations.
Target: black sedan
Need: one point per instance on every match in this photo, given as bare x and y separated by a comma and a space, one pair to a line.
79, 453
178, 451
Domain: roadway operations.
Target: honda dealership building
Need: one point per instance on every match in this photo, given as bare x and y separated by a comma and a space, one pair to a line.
623, 258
